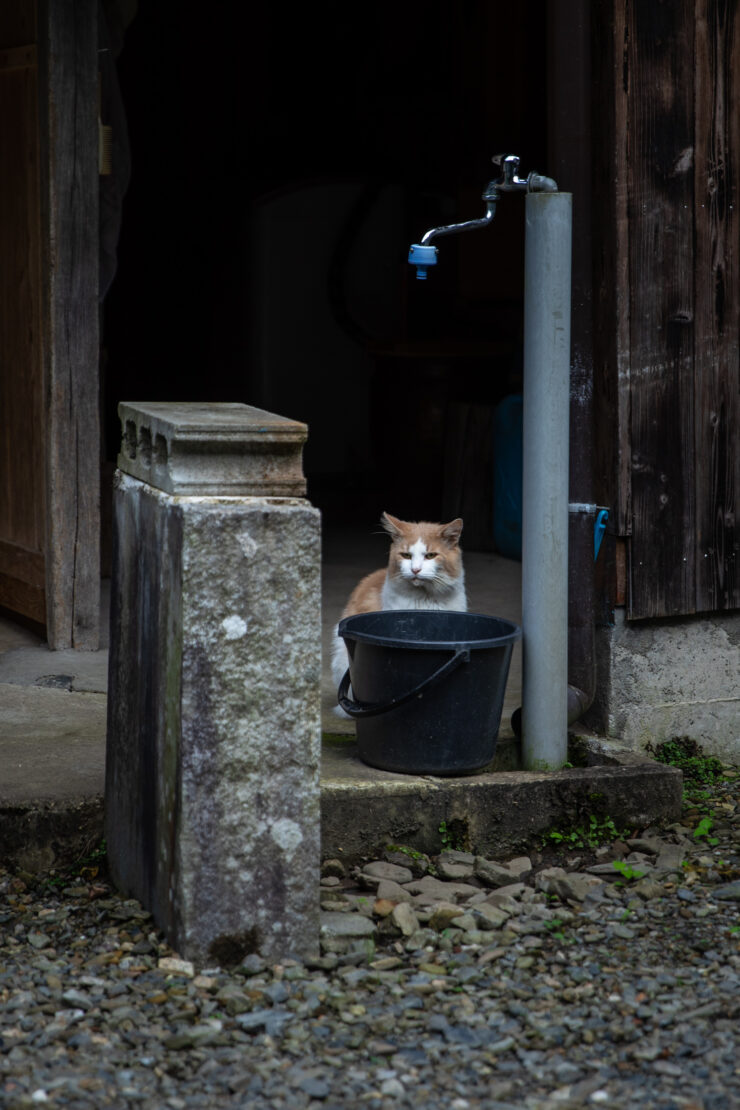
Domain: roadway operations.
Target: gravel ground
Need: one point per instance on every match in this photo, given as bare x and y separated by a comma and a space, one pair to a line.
548, 981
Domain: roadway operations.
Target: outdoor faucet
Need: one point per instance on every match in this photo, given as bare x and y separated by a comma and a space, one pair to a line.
422, 255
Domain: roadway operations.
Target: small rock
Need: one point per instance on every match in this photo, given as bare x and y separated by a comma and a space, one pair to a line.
506, 896
488, 916
194, 1036
38, 940
670, 858
346, 925
394, 892
372, 873
314, 1087
570, 886
233, 1000
443, 915
383, 907
77, 999
252, 965
728, 893
386, 963
453, 855
492, 873
405, 919
392, 1088
416, 862
429, 889
333, 868
455, 865
519, 866
172, 965
648, 889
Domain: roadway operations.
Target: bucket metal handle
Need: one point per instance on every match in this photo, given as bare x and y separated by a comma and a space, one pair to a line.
373, 709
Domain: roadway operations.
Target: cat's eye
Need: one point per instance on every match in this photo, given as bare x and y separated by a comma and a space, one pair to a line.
430, 555
405, 554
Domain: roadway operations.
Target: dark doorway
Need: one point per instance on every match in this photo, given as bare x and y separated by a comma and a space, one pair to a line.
281, 165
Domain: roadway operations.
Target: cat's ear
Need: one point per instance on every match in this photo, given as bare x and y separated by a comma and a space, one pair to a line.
392, 526
451, 532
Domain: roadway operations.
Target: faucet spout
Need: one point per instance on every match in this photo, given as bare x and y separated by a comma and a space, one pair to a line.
423, 254
467, 225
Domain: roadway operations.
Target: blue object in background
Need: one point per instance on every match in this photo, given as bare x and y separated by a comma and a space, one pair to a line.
507, 476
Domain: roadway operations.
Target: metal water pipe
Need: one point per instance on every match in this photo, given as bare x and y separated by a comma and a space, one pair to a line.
546, 437
547, 294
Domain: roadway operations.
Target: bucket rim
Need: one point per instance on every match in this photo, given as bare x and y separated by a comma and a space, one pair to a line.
511, 636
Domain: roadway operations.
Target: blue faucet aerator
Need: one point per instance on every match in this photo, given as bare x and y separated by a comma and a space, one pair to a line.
422, 257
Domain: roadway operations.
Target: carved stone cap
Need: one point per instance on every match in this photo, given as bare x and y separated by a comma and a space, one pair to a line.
213, 449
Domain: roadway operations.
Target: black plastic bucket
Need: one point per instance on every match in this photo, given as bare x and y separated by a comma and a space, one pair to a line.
428, 688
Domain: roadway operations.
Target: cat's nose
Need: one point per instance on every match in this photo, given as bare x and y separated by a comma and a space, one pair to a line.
416, 570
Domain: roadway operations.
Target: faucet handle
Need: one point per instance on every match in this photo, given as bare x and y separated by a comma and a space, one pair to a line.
509, 165
499, 159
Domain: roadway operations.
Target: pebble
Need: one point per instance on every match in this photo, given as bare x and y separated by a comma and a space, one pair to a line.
458, 983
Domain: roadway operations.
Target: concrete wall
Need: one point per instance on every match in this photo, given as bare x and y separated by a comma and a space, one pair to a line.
660, 679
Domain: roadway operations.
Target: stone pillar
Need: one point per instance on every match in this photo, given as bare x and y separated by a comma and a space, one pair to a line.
214, 727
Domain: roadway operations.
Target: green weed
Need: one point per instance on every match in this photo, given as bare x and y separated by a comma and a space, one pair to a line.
688, 755
86, 868
627, 871
703, 830
452, 837
555, 927
598, 830
412, 853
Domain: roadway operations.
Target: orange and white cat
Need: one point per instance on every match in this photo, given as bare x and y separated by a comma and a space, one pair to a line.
425, 571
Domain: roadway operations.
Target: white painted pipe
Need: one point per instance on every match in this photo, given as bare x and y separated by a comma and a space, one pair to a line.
547, 283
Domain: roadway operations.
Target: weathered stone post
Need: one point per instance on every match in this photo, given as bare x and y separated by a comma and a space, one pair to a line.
212, 775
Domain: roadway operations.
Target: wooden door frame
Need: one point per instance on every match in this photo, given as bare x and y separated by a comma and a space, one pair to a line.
68, 142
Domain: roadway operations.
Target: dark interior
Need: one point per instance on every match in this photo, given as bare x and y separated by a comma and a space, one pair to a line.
282, 162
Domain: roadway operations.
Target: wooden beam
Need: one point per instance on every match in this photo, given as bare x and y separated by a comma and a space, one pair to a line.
69, 165
716, 167
660, 192
22, 432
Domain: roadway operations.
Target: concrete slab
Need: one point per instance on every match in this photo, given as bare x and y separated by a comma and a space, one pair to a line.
53, 768
52, 743
80, 671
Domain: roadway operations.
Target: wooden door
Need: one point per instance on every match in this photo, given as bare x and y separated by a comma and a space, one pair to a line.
669, 296
49, 437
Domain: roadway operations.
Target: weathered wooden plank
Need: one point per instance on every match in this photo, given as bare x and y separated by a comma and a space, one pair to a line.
68, 63
22, 581
611, 444
717, 294
18, 562
22, 447
22, 598
661, 264
621, 277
